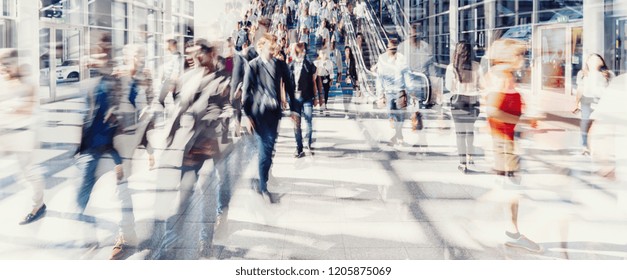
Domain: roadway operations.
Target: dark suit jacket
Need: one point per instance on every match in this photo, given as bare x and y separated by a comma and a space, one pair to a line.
239, 68
268, 76
305, 81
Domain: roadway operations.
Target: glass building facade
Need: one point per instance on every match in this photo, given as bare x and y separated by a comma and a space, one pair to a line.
63, 33
554, 30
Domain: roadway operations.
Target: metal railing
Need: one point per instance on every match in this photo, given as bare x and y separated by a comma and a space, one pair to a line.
371, 31
398, 15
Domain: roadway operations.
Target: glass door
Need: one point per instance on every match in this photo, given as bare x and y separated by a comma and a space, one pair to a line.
60, 67
553, 54
558, 58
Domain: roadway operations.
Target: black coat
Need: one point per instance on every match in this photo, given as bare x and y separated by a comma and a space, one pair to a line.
269, 76
305, 82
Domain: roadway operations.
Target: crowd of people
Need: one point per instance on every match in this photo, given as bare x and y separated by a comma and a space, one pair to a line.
282, 56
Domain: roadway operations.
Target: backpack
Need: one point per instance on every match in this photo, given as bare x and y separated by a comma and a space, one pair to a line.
242, 38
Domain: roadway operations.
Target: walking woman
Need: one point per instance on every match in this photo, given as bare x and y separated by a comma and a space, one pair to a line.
462, 80
591, 83
325, 74
350, 79
504, 110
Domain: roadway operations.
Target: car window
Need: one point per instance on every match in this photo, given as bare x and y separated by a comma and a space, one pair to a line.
69, 63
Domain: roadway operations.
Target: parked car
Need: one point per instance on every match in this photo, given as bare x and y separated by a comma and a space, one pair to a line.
68, 71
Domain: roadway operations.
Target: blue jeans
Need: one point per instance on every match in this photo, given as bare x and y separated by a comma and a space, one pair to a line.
586, 111
304, 108
395, 113
87, 163
266, 132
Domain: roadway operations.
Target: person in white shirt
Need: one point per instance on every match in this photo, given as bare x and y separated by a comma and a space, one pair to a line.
324, 12
591, 83
392, 74
323, 34
336, 57
314, 7
360, 13
462, 80
325, 74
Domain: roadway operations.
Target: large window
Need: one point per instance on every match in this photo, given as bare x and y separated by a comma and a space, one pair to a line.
559, 11
7, 24
472, 24
8, 8
441, 6
7, 34
442, 39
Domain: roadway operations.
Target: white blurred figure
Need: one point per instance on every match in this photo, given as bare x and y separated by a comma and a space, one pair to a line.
608, 136
591, 83
608, 130
19, 106
392, 78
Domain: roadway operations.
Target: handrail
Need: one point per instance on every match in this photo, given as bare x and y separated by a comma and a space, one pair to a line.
366, 73
400, 18
371, 20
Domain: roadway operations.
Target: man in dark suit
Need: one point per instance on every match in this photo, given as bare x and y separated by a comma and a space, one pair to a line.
262, 103
240, 60
303, 78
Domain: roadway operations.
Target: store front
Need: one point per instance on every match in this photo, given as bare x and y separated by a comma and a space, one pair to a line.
558, 57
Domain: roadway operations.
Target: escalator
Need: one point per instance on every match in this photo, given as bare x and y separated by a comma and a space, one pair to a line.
376, 34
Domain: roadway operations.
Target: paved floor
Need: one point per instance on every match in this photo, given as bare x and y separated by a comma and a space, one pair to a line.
357, 197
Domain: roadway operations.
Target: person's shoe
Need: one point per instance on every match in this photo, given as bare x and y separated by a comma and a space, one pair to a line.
299, 154
470, 161
585, 151
268, 197
119, 172
513, 178
310, 149
346, 116
400, 141
34, 217
393, 141
151, 162
523, 242
120, 249
463, 168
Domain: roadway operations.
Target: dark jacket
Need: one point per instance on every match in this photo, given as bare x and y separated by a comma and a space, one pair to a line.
268, 76
240, 60
305, 82
352, 68
100, 125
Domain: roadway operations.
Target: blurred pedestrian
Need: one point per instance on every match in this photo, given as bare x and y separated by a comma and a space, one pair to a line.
392, 77
262, 104
504, 109
19, 129
591, 83
304, 81
462, 80
325, 75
